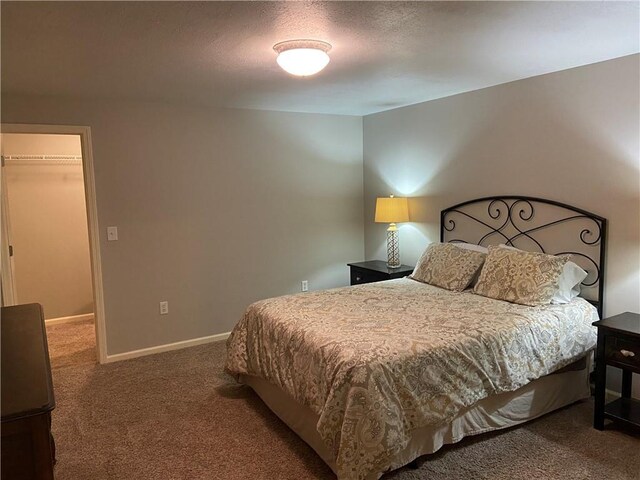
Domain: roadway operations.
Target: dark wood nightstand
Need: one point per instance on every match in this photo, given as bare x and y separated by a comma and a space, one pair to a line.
618, 346
376, 271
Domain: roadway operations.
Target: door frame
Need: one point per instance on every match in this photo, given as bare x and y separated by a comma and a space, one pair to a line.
9, 291
92, 217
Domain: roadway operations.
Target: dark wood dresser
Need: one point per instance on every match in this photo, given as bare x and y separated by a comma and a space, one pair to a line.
28, 450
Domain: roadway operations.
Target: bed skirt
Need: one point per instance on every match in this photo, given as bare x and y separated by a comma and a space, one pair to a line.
504, 410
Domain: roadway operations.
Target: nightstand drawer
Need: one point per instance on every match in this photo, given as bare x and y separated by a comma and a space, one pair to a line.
624, 352
359, 276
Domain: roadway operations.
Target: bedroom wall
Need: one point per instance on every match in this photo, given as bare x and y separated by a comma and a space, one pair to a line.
570, 136
215, 209
49, 225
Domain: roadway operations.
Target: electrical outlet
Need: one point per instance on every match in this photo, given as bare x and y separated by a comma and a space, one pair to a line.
164, 308
305, 285
112, 233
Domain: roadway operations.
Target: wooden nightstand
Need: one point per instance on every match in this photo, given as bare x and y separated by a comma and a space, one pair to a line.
376, 271
618, 346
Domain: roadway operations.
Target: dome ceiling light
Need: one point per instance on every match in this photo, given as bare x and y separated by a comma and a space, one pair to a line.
302, 57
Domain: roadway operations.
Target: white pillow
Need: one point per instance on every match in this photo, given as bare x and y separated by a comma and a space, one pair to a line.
568, 282
472, 246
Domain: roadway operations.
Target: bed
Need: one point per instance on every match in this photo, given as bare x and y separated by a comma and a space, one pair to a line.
374, 376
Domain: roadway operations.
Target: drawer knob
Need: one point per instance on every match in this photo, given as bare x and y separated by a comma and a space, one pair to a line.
357, 279
627, 353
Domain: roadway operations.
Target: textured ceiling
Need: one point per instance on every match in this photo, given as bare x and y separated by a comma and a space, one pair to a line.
385, 54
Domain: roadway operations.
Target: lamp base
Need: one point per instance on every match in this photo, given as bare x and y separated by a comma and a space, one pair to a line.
393, 247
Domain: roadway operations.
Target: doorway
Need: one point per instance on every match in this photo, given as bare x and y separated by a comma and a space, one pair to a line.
50, 250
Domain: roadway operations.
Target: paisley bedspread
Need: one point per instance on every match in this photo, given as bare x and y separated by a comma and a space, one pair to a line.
376, 361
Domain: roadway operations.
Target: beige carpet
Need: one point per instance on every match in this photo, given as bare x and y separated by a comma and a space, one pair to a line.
176, 415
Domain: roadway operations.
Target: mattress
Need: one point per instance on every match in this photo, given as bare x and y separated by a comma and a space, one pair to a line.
378, 361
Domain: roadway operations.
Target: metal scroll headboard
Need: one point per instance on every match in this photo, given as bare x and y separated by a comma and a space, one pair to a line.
534, 224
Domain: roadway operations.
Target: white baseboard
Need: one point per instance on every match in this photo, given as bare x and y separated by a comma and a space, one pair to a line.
166, 348
71, 319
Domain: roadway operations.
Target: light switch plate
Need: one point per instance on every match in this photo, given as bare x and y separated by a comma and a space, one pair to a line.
112, 233
164, 307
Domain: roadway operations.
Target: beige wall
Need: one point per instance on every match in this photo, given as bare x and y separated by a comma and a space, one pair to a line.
570, 136
40, 144
218, 208
49, 226
215, 209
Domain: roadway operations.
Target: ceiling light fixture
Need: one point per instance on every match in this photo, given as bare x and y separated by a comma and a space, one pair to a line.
302, 57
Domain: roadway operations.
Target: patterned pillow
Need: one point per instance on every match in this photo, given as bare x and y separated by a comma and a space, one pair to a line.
517, 276
447, 266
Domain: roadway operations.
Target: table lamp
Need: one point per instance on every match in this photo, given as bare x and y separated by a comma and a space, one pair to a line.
392, 210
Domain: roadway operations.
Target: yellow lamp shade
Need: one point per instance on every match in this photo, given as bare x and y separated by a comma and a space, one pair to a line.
392, 210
